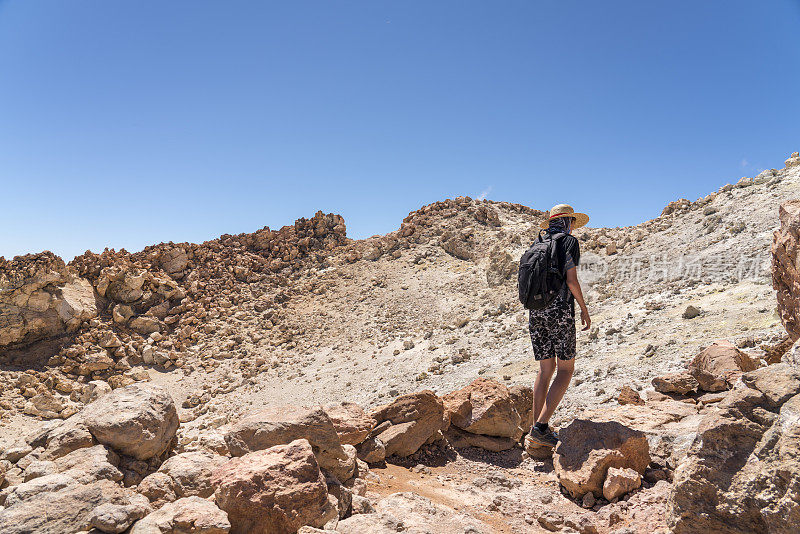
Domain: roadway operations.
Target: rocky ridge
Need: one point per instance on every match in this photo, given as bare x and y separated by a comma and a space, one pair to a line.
425, 321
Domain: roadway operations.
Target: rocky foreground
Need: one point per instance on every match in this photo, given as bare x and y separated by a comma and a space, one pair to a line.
210, 387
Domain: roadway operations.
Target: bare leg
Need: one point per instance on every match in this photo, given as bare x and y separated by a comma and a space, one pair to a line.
546, 369
557, 389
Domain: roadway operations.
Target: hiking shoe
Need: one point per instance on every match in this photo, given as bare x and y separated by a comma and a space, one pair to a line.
543, 439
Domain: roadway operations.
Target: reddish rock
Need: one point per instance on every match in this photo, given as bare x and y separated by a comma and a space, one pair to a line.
350, 420
159, 488
742, 472
717, 367
587, 449
371, 450
681, 382
522, 397
191, 472
139, 420
628, 395
786, 266
415, 418
618, 482
273, 491
190, 515
488, 407
284, 424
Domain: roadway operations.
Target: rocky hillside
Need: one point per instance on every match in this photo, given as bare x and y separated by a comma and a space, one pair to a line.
158, 388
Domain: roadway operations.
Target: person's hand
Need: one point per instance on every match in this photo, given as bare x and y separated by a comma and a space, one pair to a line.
586, 321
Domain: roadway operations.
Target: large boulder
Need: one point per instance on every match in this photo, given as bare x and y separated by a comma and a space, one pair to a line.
66, 510
274, 491
717, 367
183, 475
587, 449
742, 472
352, 423
190, 515
786, 266
40, 298
415, 418
139, 420
487, 407
283, 424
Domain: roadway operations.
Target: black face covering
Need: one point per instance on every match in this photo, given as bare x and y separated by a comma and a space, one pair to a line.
558, 225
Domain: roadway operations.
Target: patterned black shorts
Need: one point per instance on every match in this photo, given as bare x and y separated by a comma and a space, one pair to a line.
553, 332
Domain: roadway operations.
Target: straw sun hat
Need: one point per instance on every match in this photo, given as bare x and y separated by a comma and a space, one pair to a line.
565, 210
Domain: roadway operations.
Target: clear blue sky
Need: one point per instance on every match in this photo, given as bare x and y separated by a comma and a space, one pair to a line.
128, 123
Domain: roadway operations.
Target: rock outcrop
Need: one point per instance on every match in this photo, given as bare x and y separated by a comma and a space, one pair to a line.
351, 422
190, 473
39, 299
681, 382
786, 266
742, 473
69, 509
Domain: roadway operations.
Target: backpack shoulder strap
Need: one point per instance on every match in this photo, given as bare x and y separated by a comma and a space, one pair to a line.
556, 252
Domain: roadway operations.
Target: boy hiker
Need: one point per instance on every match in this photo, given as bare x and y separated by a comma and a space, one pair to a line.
548, 287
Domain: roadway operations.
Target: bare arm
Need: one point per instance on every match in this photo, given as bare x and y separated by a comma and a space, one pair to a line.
575, 287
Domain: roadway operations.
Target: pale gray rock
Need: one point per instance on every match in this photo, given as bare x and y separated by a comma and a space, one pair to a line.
189, 515
139, 420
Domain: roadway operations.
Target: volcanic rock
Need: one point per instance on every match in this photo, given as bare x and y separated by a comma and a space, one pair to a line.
275, 490
485, 407
786, 266
139, 420
189, 515
619, 482
350, 420
415, 418
742, 473
587, 449
718, 366
284, 424
65, 510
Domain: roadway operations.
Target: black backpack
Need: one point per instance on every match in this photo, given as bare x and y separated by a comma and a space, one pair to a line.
540, 273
